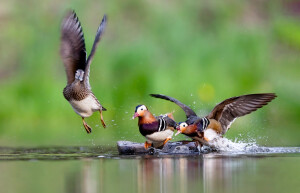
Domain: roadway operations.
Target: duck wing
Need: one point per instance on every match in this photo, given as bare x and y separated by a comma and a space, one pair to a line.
96, 41
188, 111
72, 47
230, 109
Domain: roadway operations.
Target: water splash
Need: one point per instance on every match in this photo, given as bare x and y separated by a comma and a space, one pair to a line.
224, 145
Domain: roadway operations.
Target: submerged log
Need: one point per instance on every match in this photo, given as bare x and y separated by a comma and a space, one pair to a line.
179, 147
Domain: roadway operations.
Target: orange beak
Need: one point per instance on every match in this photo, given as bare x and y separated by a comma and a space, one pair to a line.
178, 132
135, 115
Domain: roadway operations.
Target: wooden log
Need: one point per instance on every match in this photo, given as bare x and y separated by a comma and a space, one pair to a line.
179, 147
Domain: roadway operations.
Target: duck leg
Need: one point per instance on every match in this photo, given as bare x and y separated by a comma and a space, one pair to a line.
168, 139
86, 126
197, 144
102, 121
206, 139
147, 145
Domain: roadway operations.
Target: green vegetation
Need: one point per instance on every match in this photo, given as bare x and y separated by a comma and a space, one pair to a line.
200, 52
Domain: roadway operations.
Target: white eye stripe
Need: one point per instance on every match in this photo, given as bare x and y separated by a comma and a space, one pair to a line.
183, 125
142, 108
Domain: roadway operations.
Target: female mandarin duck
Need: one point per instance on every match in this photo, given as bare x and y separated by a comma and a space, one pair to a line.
218, 122
157, 130
78, 90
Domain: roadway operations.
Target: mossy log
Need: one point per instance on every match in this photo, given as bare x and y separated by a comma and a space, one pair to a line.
179, 147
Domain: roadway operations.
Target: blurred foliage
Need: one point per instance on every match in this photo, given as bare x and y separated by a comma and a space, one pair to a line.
200, 52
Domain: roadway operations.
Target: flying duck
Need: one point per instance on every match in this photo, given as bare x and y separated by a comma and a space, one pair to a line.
219, 120
157, 130
72, 50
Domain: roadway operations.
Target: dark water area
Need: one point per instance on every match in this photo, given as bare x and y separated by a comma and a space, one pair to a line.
102, 169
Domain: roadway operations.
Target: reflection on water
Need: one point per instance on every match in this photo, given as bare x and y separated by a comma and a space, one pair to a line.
213, 172
203, 173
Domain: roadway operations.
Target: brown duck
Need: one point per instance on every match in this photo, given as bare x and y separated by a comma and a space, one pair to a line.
78, 90
157, 130
217, 123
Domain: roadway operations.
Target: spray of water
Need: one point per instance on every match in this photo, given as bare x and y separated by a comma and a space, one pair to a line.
224, 144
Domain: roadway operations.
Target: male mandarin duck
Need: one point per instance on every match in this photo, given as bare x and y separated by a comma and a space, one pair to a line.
217, 123
157, 130
78, 90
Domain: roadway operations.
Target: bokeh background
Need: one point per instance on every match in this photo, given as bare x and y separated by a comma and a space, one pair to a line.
200, 52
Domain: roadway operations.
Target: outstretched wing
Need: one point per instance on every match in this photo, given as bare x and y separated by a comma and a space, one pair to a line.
72, 47
230, 109
188, 111
96, 41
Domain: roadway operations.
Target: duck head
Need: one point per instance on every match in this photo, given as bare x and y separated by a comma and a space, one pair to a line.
181, 127
139, 111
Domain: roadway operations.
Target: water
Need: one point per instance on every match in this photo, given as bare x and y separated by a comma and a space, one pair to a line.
92, 169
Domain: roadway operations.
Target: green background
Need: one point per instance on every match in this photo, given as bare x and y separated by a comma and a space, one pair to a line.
200, 52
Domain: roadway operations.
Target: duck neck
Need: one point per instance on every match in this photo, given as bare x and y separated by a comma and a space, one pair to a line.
146, 118
191, 129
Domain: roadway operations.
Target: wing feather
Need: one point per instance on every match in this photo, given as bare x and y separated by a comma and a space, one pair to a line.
72, 48
96, 41
230, 109
188, 111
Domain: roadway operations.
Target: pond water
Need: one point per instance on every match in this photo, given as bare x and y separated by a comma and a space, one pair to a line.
91, 170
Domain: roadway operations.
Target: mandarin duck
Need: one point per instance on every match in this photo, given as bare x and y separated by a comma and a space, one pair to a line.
73, 53
219, 120
157, 130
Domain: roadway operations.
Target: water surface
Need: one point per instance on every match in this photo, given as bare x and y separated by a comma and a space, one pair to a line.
101, 169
